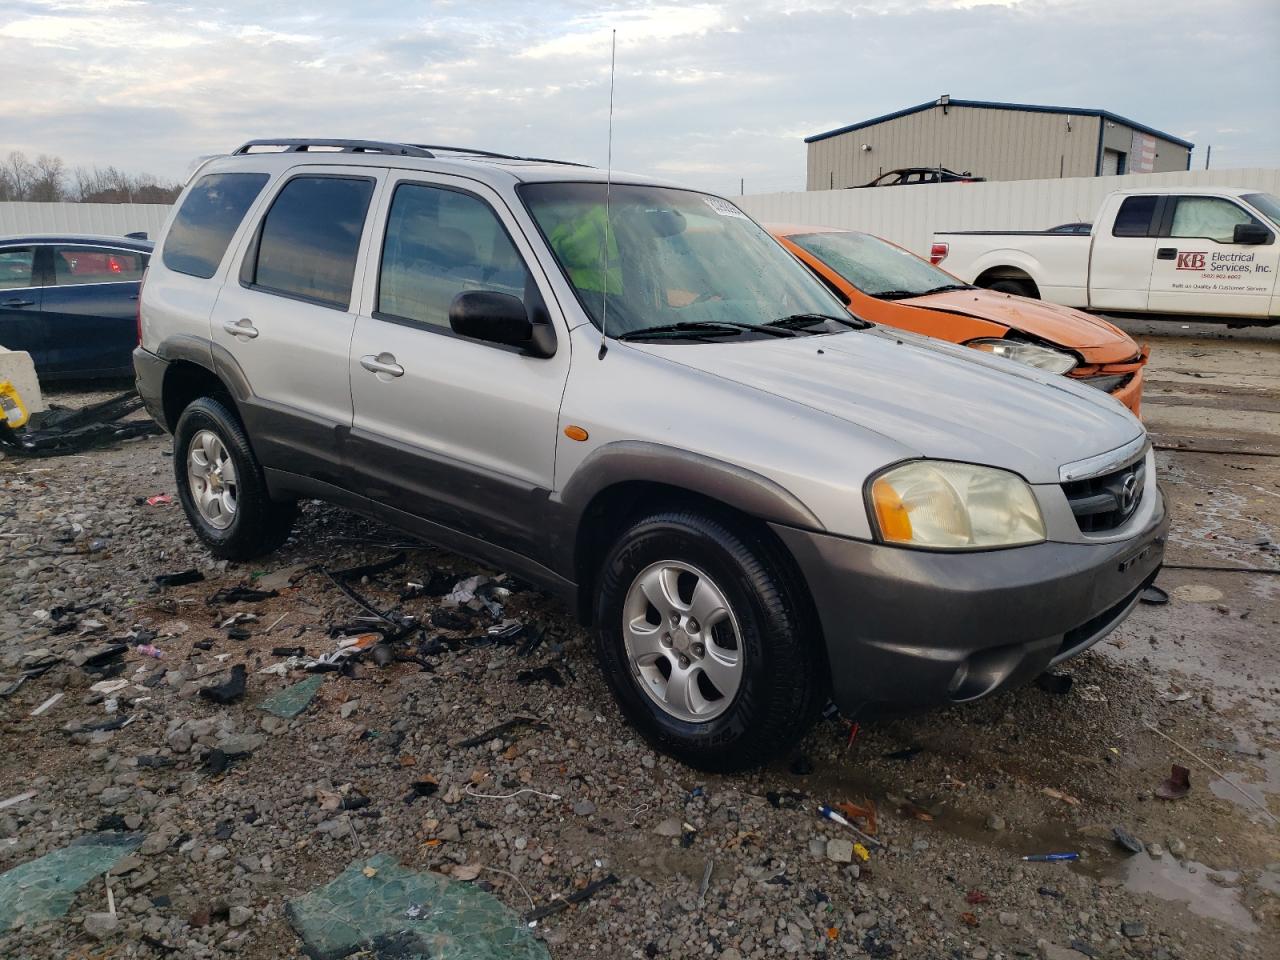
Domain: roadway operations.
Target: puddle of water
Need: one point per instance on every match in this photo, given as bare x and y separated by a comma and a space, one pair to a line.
1258, 788
1188, 881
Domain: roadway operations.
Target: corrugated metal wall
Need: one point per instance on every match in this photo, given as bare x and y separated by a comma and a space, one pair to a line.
105, 219
910, 215
996, 144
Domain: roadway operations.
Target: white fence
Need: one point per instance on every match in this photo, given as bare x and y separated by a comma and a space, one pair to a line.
102, 219
910, 215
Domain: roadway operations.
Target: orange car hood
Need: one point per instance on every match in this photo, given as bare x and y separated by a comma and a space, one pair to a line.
1103, 342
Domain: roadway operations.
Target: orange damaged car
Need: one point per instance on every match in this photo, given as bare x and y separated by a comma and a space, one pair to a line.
884, 283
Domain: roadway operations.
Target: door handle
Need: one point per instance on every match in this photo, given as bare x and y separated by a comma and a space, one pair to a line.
242, 328
382, 363
18, 302
1167, 253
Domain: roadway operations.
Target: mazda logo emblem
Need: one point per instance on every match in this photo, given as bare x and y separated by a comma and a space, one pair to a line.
1128, 493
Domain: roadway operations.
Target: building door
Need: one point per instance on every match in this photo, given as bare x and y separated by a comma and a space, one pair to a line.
1113, 162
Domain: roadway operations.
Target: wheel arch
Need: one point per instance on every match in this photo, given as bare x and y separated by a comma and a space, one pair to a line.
622, 481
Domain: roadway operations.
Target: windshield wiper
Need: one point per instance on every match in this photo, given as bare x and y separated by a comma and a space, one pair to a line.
691, 328
802, 321
896, 294
945, 288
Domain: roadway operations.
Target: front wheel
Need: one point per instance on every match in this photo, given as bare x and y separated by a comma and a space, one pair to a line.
221, 487
706, 643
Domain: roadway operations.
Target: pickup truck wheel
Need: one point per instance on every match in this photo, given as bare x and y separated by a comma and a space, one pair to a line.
704, 642
1019, 288
221, 487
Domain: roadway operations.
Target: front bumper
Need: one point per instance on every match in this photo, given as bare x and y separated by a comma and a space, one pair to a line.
910, 629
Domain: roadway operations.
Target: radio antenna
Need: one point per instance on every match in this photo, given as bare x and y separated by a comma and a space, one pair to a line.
608, 189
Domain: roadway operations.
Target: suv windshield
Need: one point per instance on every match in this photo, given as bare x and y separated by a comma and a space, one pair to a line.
692, 264
876, 267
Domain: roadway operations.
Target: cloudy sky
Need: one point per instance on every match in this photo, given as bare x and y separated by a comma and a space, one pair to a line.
707, 93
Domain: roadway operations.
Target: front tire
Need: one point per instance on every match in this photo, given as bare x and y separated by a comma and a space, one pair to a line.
706, 642
221, 486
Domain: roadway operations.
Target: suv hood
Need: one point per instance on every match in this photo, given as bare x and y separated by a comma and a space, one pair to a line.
932, 398
1101, 341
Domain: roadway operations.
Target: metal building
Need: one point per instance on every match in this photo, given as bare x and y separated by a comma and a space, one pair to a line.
998, 141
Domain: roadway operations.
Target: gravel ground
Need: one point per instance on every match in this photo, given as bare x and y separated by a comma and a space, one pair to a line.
706, 866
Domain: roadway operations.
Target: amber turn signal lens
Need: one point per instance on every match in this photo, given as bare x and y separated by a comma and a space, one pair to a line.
891, 512
575, 433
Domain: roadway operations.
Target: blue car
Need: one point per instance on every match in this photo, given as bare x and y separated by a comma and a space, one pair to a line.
71, 301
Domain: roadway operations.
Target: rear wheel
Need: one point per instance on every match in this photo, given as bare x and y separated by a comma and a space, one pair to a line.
1019, 288
221, 487
705, 642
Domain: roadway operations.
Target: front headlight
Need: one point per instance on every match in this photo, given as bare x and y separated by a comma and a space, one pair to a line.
1042, 358
942, 505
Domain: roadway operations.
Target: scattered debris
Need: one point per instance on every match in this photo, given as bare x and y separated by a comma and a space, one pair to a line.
562, 903
904, 755
1153, 595
179, 579
544, 674
370, 569
399, 912
59, 431
229, 691
14, 801
291, 701
1059, 684
47, 705
502, 730
159, 500
1127, 840
44, 888
1176, 786
1050, 857
1059, 795
240, 595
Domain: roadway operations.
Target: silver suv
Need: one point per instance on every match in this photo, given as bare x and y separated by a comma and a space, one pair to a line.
629, 394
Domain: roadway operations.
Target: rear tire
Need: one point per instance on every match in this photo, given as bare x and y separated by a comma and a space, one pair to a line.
221, 486
722, 695
1019, 288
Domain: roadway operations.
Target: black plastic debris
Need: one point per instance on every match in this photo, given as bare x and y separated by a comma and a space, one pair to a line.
179, 579
238, 633
107, 654
1059, 684
240, 595
59, 431
421, 788
370, 569
229, 691
1127, 840
785, 799
903, 756
544, 674
563, 903
1153, 595
503, 731
447, 619
288, 651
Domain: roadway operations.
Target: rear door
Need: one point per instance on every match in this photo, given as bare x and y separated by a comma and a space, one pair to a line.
1200, 269
1120, 258
20, 323
285, 319
90, 309
459, 432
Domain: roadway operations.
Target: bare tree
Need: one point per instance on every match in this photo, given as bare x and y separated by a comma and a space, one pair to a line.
46, 180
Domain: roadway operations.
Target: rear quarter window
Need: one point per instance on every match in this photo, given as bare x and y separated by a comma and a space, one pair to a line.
207, 220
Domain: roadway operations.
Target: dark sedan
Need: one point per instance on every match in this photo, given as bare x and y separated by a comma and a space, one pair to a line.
71, 302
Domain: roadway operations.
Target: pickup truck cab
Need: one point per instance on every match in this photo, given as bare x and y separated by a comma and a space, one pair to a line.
1205, 251
628, 394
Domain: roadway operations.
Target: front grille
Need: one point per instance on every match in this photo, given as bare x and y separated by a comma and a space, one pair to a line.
1103, 503
1108, 383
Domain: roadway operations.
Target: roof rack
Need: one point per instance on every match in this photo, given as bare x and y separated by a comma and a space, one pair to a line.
495, 156
306, 145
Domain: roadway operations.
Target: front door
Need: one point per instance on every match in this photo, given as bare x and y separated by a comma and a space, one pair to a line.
286, 319
1200, 269
90, 309
21, 327
455, 431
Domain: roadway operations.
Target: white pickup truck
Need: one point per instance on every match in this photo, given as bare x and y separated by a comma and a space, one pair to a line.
1207, 251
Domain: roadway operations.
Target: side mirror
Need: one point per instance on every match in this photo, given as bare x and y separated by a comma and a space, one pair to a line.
499, 318
1251, 233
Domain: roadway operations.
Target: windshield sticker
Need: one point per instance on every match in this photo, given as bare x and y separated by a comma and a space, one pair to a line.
724, 207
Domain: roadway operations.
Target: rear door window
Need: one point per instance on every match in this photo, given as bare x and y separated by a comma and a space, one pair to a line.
439, 243
84, 264
17, 268
1134, 216
310, 238
207, 220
